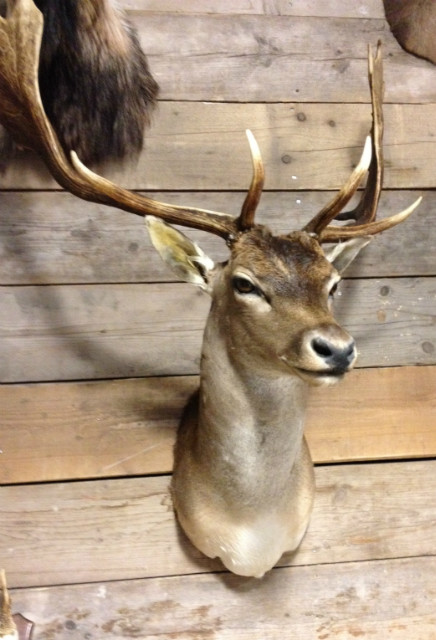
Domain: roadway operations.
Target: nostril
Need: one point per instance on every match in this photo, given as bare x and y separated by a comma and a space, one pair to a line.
334, 356
349, 352
322, 348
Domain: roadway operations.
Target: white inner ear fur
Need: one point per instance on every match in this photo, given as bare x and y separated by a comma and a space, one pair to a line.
343, 254
182, 255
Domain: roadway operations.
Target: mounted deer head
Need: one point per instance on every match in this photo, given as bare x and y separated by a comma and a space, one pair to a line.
243, 479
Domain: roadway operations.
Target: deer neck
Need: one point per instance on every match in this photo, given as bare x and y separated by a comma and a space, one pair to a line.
251, 418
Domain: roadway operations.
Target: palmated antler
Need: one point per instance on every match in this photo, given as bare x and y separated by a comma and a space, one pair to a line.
365, 212
12, 627
8, 628
22, 113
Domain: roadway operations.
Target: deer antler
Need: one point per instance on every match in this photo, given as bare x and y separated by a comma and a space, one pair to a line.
365, 212
8, 628
246, 219
22, 113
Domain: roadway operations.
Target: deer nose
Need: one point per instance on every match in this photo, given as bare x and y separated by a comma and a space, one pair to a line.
337, 357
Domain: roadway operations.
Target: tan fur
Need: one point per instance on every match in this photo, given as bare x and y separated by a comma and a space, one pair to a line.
243, 480
106, 20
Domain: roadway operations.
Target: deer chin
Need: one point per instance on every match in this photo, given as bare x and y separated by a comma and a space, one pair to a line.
324, 377
317, 377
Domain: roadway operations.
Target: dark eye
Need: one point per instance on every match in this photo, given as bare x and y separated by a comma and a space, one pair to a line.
244, 286
333, 289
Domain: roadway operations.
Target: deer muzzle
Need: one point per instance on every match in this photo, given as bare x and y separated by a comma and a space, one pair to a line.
324, 354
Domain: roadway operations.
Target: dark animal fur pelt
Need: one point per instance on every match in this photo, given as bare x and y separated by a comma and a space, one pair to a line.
413, 23
95, 83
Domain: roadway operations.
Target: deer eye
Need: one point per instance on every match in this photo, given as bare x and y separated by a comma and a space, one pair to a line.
333, 289
244, 286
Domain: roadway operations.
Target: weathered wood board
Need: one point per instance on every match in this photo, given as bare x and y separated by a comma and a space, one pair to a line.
376, 600
202, 146
327, 8
217, 58
85, 299
127, 427
57, 238
110, 331
121, 529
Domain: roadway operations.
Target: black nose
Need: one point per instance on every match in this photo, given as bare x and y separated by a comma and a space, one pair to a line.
337, 358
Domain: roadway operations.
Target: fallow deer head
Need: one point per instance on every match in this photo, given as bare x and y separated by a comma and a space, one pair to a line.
242, 486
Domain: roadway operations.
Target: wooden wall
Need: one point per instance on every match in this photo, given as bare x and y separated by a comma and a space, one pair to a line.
99, 346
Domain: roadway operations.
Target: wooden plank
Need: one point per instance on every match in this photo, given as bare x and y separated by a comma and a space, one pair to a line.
94, 531
127, 427
270, 58
368, 600
375, 414
54, 238
311, 146
134, 330
194, 6
326, 8
69, 332
90, 429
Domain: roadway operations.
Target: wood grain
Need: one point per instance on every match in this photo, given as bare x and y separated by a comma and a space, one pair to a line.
123, 529
294, 72
270, 58
327, 8
133, 330
356, 600
56, 238
202, 146
127, 427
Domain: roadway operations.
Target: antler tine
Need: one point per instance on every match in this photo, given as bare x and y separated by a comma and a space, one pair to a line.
248, 211
335, 234
330, 211
220, 224
366, 209
22, 113
365, 212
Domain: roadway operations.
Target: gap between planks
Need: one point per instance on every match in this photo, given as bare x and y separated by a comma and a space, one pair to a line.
48, 238
368, 600
312, 146
67, 431
93, 531
78, 332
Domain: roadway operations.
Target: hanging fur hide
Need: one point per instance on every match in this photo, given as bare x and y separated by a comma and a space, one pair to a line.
95, 83
413, 23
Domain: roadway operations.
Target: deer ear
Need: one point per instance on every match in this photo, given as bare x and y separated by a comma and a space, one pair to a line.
182, 255
343, 254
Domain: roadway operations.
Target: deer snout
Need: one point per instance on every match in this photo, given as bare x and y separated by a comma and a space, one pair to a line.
334, 356
326, 352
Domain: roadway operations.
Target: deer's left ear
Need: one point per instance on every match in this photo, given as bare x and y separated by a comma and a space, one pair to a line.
343, 254
182, 255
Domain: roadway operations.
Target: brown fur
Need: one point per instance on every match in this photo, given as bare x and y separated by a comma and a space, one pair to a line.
413, 23
95, 83
243, 482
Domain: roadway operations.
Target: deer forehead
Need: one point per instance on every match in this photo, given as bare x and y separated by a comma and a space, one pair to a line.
295, 260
